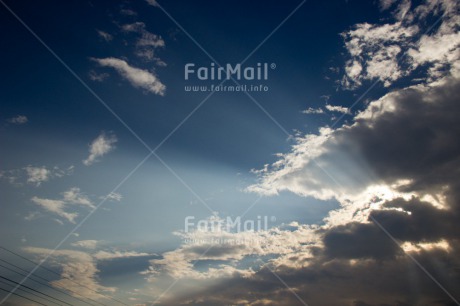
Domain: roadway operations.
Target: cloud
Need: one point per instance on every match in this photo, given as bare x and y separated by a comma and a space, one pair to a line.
78, 269
86, 244
104, 35
74, 196
137, 77
337, 108
100, 146
97, 77
391, 51
105, 255
146, 42
146, 39
225, 248
78, 272
312, 110
386, 4
19, 119
152, 2
35, 175
114, 196
70, 199
55, 206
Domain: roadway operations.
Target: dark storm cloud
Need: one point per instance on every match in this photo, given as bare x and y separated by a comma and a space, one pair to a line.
418, 140
425, 223
358, 240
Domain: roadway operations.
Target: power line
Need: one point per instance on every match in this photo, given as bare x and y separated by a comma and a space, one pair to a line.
56, 273
45, 284
45, 294
14, 293
31, 293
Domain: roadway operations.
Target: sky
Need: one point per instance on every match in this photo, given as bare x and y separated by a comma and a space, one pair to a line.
230, 153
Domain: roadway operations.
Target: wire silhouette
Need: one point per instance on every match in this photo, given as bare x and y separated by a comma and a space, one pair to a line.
24, 297
44, 284
34, 290
31, 293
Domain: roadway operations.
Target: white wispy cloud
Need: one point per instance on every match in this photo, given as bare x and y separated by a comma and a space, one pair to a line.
100, 146
97, 77
147, 39
114, 196
137, 77
20, 119
146, 42
70, 198
312, 110
34, 175
337, 108
75, 196
55, 206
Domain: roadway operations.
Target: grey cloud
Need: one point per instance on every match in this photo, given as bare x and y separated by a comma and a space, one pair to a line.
417, 140
358, 240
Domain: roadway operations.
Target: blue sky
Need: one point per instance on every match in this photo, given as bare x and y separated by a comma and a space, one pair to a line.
349, 152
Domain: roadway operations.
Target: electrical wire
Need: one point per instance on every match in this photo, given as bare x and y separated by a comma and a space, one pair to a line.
46, 284
14, 293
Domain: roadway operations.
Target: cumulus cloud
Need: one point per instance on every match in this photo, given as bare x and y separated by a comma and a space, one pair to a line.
100, 146
19, 119
70, 199
137, 77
